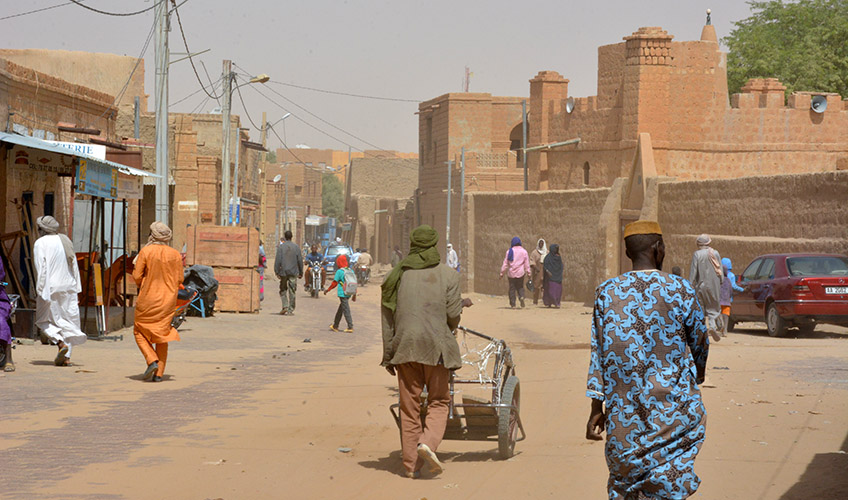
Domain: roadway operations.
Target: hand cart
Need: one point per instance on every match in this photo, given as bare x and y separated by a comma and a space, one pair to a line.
481, 419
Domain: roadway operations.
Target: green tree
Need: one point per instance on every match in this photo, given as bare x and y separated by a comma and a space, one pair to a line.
271, 157
803, 43
332, 196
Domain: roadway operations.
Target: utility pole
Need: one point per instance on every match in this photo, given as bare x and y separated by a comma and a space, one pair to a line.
287, 199
225, 146
461, 196
447, 228
161, 98
524, 141
263, 176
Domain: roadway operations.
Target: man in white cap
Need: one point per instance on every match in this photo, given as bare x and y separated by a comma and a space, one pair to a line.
57, 286
706, 275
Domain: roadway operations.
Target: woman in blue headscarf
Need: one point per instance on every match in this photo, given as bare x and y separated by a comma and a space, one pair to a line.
516, 265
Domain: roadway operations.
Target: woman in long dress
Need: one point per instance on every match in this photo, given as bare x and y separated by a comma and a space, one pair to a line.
553, 277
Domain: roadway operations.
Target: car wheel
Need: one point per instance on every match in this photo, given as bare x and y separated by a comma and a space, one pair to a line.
806, 329
775, 324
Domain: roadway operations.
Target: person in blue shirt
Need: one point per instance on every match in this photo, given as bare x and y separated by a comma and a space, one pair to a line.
726, 294
344, 300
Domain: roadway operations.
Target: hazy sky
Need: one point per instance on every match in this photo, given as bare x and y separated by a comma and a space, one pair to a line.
400, 49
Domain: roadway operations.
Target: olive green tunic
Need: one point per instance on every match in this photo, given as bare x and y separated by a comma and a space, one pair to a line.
428, 310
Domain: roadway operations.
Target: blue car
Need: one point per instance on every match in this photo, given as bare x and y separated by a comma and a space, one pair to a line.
330, 254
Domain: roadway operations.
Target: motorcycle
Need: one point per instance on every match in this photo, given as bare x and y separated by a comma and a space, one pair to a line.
184, 298
363, 274
313, 284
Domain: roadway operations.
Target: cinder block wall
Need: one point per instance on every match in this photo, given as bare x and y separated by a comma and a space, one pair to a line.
569, 218
751, 216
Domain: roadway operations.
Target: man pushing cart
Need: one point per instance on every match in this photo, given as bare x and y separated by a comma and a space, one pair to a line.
421, 307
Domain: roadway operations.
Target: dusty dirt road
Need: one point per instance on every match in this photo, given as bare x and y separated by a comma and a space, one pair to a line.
249, 410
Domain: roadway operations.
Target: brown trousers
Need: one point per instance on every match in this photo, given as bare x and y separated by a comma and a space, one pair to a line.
412, 377
153, 352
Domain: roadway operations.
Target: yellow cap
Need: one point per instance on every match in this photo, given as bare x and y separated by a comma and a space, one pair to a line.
642, 227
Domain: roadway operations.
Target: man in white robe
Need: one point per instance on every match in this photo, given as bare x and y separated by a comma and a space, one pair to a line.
705, 275
57, 286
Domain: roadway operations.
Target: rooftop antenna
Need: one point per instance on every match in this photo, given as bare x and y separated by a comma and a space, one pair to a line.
466, 83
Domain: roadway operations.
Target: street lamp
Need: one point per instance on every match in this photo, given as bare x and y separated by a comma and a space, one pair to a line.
229, 76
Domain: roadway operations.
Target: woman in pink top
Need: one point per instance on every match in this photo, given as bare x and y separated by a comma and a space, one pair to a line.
516, 265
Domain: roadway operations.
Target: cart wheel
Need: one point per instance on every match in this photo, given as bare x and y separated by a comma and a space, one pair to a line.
508, 418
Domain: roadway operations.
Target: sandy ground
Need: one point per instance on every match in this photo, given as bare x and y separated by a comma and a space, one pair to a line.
250, 410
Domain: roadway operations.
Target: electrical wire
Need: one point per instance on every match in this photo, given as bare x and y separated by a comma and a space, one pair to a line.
347, 94
117, 14
304, 121
140, 58
214, 86
190, 58
35, 11
325, 121
238, 89
286, 146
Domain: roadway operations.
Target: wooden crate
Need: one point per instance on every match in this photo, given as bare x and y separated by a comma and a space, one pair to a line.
224, 246
238, 289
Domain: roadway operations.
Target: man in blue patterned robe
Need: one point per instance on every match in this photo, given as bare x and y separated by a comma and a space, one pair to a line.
649, 353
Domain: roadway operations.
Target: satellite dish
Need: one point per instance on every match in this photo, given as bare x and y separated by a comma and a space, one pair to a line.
818, 103
569, 105
277, 178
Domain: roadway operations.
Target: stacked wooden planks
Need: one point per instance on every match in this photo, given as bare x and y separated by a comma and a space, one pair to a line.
233, 253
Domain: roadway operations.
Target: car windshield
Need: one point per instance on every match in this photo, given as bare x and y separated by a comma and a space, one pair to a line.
337, 250
817, 266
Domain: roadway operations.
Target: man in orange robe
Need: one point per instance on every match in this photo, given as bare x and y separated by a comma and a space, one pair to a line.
158, 273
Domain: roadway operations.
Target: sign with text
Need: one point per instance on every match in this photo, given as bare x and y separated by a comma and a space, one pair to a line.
94, 150
97, 179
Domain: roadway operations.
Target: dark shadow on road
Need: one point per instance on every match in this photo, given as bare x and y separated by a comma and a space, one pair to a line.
824, 479
821, 332
394, 463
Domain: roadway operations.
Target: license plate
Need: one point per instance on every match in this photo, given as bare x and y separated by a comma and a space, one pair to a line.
836, 290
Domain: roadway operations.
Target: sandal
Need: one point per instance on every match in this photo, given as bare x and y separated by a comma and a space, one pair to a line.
10, 367
61, 357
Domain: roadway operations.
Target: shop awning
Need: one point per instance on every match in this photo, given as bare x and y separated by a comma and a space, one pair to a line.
94, 176
32, 142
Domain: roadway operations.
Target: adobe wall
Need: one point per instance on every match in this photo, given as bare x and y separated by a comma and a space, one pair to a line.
106, 73
678, 93
752, 216
569, 218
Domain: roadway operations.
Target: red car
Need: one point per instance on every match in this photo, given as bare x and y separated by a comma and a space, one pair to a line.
793, 290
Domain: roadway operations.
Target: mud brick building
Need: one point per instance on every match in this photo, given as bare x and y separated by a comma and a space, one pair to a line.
379, 204
304, 198
33, 103
490, 130
677, 93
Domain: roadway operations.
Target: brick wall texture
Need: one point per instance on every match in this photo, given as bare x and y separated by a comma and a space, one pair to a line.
745, 217
568, 218
752, 216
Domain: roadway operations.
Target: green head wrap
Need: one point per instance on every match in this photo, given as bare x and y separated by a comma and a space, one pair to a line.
422, 254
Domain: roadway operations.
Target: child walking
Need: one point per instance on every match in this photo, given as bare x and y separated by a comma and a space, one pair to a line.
728, 285
344, 298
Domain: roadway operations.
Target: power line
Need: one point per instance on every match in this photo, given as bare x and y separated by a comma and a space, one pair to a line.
347, 94
245, 110
325, 121
286, 146
140, 58
304, 121
214, 86
190, 58
35, 11
116, 14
